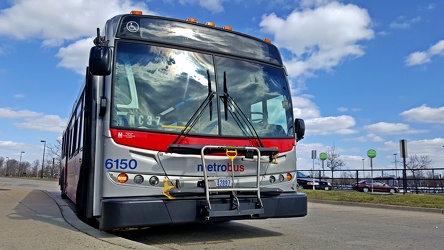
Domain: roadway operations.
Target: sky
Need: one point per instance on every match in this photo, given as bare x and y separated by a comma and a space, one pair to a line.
364, 74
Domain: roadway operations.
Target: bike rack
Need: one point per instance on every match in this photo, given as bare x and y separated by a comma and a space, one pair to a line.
231, 152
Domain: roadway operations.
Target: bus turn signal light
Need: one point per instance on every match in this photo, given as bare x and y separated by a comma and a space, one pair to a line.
122, 178
289, 177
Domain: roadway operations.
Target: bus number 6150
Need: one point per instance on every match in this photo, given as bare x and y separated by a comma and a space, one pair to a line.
120, 164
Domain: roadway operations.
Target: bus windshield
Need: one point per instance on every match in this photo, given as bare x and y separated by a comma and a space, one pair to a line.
160, 89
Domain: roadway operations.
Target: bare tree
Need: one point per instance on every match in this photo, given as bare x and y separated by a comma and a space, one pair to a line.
35, 168
333, 161
55, 150
416, 165
2, 169
25, 168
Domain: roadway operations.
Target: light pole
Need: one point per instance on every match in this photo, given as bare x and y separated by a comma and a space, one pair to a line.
396, 166
20, 164
7, 161
363, 173
43, 160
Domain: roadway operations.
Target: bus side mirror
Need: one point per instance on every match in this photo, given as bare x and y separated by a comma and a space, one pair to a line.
299, 129
100, 60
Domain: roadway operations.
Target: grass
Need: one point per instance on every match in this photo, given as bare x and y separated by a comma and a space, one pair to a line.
412, 200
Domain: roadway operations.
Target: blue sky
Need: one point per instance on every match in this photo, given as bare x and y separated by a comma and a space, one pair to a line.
364, 74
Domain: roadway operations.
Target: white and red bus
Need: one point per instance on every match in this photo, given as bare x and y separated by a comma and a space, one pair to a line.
181, 122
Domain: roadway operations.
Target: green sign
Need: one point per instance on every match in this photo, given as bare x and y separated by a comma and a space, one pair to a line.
371, 153
323, 156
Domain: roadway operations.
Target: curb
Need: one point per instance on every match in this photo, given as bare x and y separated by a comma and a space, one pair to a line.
71, 218
360, 204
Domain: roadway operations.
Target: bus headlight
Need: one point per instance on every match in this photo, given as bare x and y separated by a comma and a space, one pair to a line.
272, 179
138, 179
281, 178
153, 180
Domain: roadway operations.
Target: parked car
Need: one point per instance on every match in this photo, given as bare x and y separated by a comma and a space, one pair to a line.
306, 182
369, 185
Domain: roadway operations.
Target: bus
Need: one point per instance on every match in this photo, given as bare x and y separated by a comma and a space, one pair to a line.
181, 122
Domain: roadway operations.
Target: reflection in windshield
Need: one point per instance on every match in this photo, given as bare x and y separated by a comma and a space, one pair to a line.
159, 89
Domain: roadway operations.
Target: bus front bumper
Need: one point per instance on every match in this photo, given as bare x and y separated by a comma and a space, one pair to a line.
144, 212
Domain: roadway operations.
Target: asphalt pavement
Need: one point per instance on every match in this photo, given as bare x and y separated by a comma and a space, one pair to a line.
38, 219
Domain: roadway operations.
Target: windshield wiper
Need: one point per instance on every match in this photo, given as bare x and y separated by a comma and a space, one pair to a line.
239, 117
198, 113
209, 93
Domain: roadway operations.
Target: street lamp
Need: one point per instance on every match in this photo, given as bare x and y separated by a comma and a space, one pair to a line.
43, 160
396, 166
7, 161
20, 164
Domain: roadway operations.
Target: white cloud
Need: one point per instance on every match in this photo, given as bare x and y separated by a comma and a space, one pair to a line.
331, 125
432, 147
304, 107
417, 58
75, 56
45, 123
60, 21
34, 121
10, 145
391, 128
7, 113
402, 23
422, 57
319, 38
367, 138
63, 21
425, 114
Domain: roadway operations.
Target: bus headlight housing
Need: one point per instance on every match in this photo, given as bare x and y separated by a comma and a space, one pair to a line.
153, 180
272, 179
138, 179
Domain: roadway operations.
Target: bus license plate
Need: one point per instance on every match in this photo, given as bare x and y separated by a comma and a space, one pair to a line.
223, 182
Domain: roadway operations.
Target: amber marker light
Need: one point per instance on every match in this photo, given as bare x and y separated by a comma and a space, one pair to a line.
191, 20
267, 40
289, 177
210, 24
228, 28
136, 12
122, 178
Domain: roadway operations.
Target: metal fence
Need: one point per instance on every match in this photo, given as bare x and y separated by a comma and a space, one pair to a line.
419, 180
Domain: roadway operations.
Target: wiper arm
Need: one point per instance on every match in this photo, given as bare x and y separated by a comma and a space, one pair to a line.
225, 96
239, 117
209, 93
195, 117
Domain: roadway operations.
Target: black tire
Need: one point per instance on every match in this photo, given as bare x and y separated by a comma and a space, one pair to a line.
62, 187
